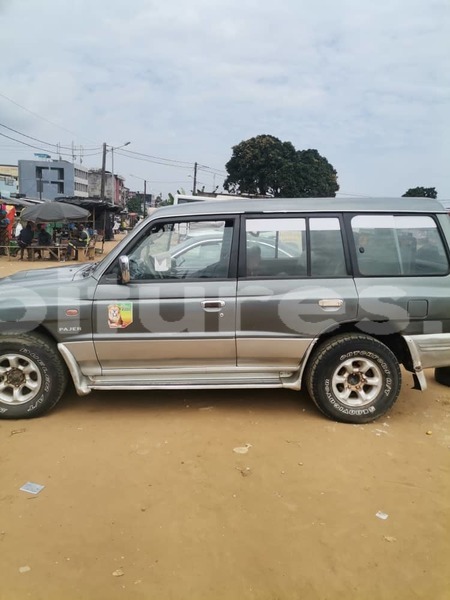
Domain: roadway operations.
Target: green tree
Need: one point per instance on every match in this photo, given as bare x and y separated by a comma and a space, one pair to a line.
421, 192
135, 204
257, 165
316, 177
264, 165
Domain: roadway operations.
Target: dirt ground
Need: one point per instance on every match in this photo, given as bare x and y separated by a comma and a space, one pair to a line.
145, 498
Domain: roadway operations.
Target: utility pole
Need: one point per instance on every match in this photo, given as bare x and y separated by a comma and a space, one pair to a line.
194, 191
145, 198
103, 174
113, 179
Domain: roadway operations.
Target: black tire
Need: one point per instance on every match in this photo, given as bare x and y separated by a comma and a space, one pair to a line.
33, 376
375, 373
442, 375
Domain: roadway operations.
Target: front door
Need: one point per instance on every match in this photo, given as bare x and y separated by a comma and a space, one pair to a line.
179, 309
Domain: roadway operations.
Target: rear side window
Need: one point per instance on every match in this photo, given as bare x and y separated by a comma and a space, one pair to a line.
327, 252
396, 245
294, 247
275, 247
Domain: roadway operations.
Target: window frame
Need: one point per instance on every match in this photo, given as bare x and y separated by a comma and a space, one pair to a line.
242, 259
108, 277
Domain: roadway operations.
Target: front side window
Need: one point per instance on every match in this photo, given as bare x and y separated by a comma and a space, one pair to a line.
388, 245
183, 250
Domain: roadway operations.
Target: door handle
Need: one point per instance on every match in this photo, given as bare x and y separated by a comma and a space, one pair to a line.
331, 303
212, 305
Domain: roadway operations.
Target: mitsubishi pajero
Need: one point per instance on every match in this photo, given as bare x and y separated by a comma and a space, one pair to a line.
325, 294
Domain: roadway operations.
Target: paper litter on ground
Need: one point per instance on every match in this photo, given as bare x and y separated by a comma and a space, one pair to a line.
32, 488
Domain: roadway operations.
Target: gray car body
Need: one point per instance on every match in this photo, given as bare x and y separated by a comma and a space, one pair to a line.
251, 333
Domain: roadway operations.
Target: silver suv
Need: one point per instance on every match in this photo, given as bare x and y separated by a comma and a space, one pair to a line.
326, 294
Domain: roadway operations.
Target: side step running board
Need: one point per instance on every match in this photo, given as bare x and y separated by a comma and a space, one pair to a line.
191, 384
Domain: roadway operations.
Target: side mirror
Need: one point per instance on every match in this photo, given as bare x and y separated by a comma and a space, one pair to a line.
124, 265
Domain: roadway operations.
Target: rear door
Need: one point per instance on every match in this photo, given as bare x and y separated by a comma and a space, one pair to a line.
288, 297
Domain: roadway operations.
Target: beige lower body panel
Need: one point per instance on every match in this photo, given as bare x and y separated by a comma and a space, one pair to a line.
83, 353
80, 362
286, 353
429, 350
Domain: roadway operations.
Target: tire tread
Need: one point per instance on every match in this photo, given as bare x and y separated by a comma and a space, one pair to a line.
317, 358
60, 375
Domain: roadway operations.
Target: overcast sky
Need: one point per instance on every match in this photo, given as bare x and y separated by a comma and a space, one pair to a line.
365, 83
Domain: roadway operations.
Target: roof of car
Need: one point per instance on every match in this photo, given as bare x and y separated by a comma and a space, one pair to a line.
283, 205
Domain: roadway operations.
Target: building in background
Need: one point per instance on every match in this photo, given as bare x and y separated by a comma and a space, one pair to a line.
50, 179
124, 195
9, 180
115, 191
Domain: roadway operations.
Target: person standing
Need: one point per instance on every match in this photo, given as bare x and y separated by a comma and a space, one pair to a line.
24, 240
4, 223
18, 229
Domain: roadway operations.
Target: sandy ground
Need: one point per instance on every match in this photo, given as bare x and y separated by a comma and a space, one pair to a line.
145, 498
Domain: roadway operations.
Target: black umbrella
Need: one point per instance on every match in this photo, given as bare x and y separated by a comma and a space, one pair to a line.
52, 212
17, 202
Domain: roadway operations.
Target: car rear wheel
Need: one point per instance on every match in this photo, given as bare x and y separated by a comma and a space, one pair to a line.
33, 375
442, 375
353, 378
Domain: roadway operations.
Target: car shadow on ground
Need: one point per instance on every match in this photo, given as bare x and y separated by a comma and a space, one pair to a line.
281, 402
285, 402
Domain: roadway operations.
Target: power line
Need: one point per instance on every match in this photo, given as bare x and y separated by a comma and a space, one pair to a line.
211, 169
173, 162
37, 115
127, 153
159, 158
214, 172
155, 161
42, 141
165, 181
169, 162
43, 149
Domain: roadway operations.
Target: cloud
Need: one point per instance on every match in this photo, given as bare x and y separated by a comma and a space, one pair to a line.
365, 84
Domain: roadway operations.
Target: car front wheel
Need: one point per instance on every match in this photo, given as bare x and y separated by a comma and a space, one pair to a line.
353, 378
33, 376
